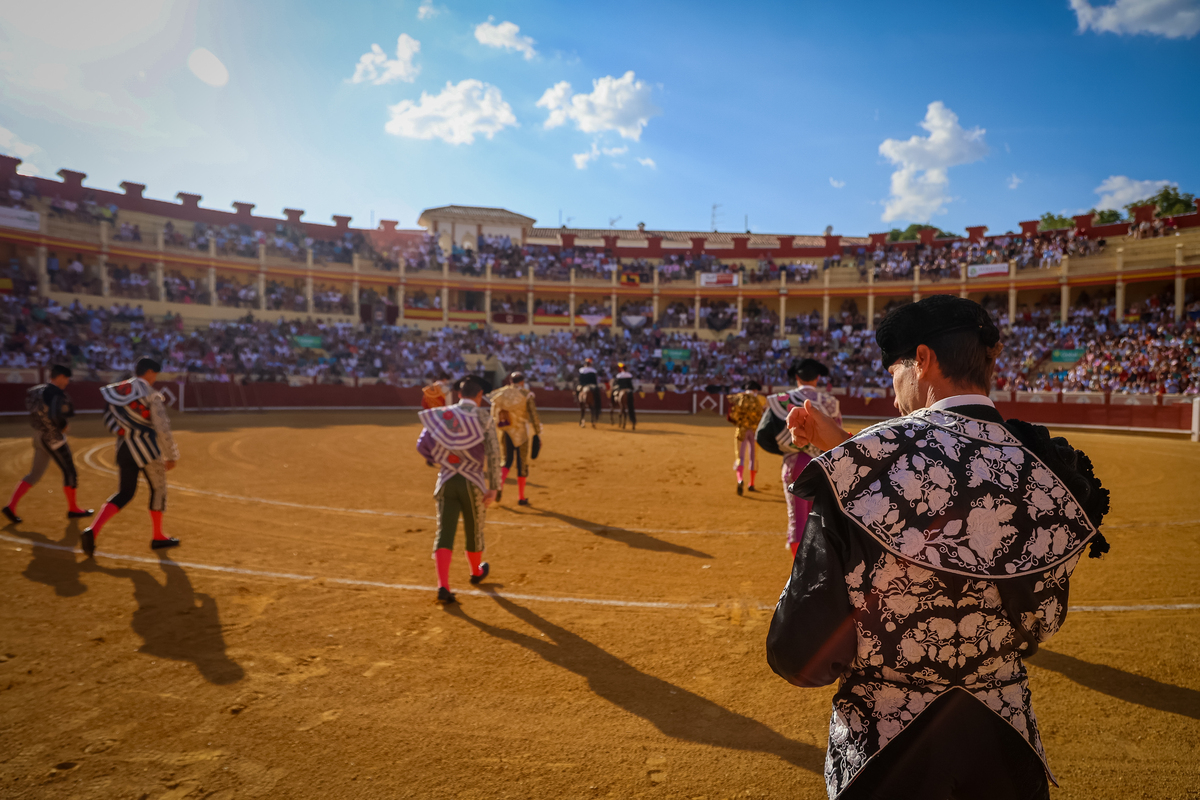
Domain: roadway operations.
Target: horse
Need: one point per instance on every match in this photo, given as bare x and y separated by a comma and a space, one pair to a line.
620, 402
589, 400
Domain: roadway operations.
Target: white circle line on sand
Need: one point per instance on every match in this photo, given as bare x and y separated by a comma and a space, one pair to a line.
539, 598
89, 459
290, 576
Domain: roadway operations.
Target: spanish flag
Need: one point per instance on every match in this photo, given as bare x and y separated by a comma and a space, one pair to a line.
631, 279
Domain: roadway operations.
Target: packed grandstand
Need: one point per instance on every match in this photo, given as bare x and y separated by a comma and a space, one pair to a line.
95, 279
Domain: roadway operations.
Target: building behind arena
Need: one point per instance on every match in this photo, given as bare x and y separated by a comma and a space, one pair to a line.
474, 268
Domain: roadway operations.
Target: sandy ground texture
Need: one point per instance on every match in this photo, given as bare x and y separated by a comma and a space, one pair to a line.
617, 652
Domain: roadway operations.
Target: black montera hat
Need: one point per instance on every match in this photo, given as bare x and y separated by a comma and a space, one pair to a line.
807, 369
923, 322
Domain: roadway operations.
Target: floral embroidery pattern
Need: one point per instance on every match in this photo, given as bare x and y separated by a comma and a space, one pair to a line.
901, 481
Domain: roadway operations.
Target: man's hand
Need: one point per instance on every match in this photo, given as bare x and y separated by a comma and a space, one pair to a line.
489, 498
169, 465
810, 425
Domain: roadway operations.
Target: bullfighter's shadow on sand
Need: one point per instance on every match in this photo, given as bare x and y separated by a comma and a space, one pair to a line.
1121, 684
676, 712
50, 564
634, 539
176, 622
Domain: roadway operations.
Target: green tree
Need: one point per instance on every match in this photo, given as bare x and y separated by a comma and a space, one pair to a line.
1055, 222
1105, 216
1168, 202
913, 232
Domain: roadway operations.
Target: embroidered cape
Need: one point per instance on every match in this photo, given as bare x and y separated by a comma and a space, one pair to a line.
778, 405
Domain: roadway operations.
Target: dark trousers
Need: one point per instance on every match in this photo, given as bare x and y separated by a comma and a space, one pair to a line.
129, 471
957, 748
43, 455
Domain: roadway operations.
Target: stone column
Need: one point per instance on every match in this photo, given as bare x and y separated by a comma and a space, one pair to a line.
825, 302
262, 277
739, 311
783, 293
354, 286
1119, 311
102, 258
400, 290
654, 299
529, 300
43, 273
445, 305
962, 280
487, 295
696, 322
615, 324
160, 268
916, 283
571, 301
212, 270
308, 281
1180, 297
1012, 293
1064, 289
871, 298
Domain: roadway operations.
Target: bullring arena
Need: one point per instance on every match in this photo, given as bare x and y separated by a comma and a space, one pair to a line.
291, 647
617, 652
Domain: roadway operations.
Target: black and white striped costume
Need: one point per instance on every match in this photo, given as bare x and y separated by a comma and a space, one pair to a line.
137, 414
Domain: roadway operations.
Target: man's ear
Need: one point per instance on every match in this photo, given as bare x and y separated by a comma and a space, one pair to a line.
926, 362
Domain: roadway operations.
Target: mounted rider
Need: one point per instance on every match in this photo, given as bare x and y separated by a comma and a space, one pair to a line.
588, 377
623, 382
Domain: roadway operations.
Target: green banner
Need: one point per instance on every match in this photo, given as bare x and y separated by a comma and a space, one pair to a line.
314, 342
676, 355
1066, 356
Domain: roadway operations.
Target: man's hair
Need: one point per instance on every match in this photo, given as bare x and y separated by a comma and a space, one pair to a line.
59, 371
517, 377
470, 387
963, 359
145, 365
752, 386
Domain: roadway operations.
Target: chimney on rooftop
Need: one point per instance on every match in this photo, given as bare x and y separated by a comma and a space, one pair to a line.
189, 201
133, 190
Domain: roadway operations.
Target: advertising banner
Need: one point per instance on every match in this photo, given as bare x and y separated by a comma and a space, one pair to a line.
978, 270
507, 318
669, 354
20, 218
1066, 356
718, 279
312, 342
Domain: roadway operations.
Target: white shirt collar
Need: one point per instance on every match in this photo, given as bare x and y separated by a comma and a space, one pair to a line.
962, 400
465, 402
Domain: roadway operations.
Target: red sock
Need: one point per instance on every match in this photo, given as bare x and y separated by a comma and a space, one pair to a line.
738, 472
156, 518
503, 476
793, 546
69, 491
473, 559
108, 512
520, 488
753, 472
18, 493
443, 556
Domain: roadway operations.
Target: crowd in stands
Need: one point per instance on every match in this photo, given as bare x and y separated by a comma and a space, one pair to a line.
893, 262
1144, 353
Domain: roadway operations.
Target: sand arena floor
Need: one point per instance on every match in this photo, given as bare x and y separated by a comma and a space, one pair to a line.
621, 654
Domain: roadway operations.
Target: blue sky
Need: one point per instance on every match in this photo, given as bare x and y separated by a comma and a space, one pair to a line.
796, 115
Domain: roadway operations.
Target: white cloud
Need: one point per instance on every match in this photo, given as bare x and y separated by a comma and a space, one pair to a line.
207, 67
455, 115
647, 162
582, 159
506, 35
1174, 19
11, 145
1118, 191
427, 10
836, 184
615, 104
920, 184
1014, 181
375, 67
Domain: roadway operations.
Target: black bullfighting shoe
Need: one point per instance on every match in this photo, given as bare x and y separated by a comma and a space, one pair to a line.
483, 573
87, 512
162, 544
741, 487
12, 515
499, 494
445, 596
523, 501
87, 543
751, 489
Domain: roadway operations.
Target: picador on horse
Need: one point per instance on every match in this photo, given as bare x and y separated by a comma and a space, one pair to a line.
622, 396
587, 391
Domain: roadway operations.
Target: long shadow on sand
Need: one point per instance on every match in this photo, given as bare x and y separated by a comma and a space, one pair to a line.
1122, 685
635, 539
676, 712
51, 564
177, 622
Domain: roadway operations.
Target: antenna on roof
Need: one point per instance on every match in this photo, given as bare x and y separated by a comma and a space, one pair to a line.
715, 206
